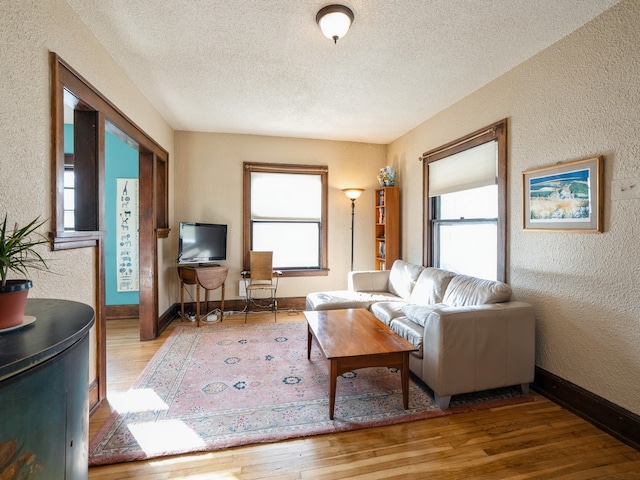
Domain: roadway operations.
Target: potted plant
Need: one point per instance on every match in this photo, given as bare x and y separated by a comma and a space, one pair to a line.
18, 254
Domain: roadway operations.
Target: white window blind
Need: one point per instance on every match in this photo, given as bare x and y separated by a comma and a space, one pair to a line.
472, 168
286, 196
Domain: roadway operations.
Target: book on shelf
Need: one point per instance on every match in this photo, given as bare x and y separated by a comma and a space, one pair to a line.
381, 249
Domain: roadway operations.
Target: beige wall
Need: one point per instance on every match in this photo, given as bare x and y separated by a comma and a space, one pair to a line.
208, 185
578, 99
28, 31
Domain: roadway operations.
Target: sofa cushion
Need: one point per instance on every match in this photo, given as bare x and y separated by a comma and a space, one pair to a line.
403, 277
368, 281
387, 311
431, 286
464, 290
340, 299
410, 331
419, 313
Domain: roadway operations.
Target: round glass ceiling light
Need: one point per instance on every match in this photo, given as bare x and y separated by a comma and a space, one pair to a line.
334, 21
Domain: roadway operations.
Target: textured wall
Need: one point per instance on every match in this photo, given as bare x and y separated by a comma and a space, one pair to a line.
208, 188
575, 100
28, 31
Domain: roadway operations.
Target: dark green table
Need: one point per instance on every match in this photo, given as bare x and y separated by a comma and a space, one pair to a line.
44, 379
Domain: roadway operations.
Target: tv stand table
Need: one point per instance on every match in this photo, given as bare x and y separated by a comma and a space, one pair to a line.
209, 277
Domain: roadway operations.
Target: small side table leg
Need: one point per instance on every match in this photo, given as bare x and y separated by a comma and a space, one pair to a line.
198, 304
182, 301
206, 302
222, 304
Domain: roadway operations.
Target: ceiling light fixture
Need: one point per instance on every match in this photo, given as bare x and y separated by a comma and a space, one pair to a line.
334, 21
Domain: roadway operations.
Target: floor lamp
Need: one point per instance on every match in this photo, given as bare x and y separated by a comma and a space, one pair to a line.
352, 193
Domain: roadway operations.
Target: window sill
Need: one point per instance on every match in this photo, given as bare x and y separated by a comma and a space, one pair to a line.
305, 273
70, 239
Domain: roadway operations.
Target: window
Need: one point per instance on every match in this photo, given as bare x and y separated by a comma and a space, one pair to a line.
69, 198
285, 212
465, 232
465, 202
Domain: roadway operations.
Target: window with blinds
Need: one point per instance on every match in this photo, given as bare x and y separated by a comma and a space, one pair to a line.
287, 214
466, 205
473, 168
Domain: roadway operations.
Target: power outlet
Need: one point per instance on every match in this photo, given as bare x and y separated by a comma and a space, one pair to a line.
242, 290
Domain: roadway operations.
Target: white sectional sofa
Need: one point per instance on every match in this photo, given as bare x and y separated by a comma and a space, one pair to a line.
470, 333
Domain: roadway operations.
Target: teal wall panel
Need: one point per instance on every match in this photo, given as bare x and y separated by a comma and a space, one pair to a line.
121, 161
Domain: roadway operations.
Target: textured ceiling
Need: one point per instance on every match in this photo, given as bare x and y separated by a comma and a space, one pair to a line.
263, 66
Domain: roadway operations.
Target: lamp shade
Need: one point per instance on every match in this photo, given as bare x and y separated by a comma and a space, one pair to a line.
334, 21
353, 193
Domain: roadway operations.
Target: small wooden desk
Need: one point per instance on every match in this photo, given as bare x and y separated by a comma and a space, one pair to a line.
207, 277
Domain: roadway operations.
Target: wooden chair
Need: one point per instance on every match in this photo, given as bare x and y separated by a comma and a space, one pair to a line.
261, 278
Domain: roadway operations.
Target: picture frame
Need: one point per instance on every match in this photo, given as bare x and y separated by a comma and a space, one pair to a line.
566, 197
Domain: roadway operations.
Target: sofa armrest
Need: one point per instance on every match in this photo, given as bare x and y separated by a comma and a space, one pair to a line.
368, 281
479, 347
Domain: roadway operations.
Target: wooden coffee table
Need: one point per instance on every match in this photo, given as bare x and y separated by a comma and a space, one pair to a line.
352, 339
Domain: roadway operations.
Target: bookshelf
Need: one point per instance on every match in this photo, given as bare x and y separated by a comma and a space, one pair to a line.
387, 213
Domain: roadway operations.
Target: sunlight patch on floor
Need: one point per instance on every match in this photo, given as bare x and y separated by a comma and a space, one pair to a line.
165, 436
142, 400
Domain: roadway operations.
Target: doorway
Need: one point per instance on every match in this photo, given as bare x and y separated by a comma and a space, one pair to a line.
79, 220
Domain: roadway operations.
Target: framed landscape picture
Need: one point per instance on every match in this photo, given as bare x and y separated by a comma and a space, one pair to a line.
565, 197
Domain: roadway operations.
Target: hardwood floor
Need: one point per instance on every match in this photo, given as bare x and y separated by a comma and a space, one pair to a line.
537, 440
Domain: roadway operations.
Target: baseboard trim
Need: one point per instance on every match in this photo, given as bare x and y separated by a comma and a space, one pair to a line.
237, 305
114, 312
166, 318
609, 417
94, 398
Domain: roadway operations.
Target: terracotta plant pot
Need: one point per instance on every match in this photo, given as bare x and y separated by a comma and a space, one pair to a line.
13, 301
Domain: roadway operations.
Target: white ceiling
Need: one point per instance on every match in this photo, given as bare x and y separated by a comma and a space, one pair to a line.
263, 66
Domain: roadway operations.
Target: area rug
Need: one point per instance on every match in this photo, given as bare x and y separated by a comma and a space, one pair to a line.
220, 386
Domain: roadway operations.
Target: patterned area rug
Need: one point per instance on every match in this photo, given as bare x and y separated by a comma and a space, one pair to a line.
220, 385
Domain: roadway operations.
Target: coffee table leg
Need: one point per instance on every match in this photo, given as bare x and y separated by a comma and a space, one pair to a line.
309, 338
405, 380
333, 376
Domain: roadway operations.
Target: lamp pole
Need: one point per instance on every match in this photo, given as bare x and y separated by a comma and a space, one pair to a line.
353, 214
353, 194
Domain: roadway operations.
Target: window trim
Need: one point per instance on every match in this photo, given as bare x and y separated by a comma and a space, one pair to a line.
323, 171
498, 132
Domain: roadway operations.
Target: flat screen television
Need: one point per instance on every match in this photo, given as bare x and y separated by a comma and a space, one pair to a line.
202, 242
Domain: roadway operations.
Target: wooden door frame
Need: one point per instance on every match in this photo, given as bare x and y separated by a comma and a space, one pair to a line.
153, 204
